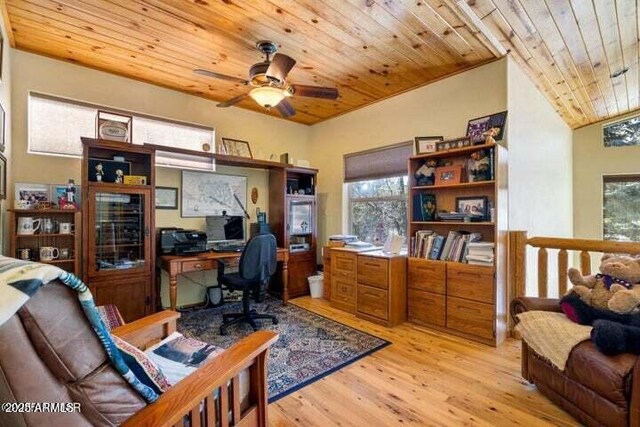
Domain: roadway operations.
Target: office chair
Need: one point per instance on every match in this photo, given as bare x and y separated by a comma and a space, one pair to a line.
257, 265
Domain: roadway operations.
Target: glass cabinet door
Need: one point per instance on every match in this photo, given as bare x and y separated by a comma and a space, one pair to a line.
120, 231
300, 219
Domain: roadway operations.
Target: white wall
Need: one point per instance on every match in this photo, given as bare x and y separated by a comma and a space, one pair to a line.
440, 108
540, 166
266, 134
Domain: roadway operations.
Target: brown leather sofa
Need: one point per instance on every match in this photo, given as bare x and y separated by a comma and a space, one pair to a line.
49, 353
596, 389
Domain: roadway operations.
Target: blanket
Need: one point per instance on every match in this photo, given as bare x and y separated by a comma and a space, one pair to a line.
20, 280
551, 335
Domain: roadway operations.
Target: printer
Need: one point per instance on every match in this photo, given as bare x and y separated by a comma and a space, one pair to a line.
179, 241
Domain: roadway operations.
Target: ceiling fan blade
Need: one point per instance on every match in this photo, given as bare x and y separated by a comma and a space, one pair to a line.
314, 91
285, 108
280, 67
232, 101
207, 73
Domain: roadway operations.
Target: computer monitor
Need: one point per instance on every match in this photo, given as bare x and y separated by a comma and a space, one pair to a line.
220, 228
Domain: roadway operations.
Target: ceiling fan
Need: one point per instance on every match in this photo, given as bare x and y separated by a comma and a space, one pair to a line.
269, 82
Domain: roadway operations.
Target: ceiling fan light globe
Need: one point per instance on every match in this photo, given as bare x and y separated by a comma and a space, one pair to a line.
267, 96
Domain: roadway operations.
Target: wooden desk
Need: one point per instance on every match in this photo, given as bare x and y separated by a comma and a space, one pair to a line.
175, 265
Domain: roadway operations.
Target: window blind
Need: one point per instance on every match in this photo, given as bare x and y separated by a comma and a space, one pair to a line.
379, 163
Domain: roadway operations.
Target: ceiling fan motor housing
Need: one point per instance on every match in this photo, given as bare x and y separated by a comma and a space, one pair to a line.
257, 73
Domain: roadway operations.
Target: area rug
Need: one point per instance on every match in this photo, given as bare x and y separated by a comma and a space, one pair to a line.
310, 346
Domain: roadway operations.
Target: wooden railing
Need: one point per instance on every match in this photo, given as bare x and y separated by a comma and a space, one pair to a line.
518, 242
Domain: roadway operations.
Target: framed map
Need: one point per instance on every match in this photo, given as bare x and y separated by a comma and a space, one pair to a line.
208, 194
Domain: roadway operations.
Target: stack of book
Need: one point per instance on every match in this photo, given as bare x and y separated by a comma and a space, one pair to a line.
480, 253
428, 244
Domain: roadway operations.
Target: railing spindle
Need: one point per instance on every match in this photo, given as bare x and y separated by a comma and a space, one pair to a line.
563, 266
585, 263
235, 390
210, 408
195, 416
224, 406
543, 275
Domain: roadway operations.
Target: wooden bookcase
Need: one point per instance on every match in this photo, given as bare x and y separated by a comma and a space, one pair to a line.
35, 241
455, 297
118, 227
287, 209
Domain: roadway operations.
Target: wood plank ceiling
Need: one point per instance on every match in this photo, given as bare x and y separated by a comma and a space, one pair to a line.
368, 49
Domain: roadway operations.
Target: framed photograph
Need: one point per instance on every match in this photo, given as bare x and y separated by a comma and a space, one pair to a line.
58, 196
2, 126
235, 147
166, 198
106, 170
452, 144
476, 127
114, 126
28, 196
3, 177
426, 144
208, 194
474, 206
447, 175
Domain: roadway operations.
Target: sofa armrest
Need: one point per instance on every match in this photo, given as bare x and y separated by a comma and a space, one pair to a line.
634, 404
522, 304
150, 329
185, 398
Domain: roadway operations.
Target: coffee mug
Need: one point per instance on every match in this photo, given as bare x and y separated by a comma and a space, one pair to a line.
65, 228
49, 253
65, 253
28, 225
48, 225
24, 254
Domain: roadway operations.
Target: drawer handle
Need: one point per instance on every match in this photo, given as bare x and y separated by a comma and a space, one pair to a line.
198, 266
371, 264
462, 307
426, 268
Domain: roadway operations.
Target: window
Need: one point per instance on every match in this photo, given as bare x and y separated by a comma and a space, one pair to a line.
377, 190
622, 133
378, 208
621, 208
57, 124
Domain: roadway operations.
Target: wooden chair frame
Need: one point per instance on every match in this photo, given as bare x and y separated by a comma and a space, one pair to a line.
211, 395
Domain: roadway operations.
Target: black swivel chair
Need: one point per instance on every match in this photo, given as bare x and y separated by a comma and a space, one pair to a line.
257, 265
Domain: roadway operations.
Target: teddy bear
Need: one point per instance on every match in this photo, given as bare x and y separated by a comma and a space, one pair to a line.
618, 275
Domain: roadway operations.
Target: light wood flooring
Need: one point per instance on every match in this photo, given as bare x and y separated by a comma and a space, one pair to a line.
423, 378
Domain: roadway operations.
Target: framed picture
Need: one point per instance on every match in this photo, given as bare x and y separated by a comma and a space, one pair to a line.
166, 198
28, 196
106, 169
452, 144
3, 177
2, 126
426, 144
477, 206
59, 196
208, 194
114, 126
447, 175
235, 147
476, 127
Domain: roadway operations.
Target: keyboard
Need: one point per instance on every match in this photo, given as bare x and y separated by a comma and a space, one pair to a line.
228, 248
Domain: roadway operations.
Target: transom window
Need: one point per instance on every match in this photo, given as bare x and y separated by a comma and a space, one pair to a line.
621, 208
622, 133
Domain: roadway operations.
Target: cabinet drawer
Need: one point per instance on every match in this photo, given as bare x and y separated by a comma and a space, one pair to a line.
343, 290
373, 271
470, 317
426, 308
470, 282
343, 264
373, 301
208, 264
427, 275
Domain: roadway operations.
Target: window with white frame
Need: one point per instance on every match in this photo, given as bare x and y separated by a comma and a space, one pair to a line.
377, 192
622, 133
57, 124
621, 208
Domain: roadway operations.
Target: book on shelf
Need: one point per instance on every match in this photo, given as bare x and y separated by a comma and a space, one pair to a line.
480, 253
429, 245
424, 207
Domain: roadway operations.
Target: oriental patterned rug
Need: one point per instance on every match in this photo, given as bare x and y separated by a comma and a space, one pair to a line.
310, 346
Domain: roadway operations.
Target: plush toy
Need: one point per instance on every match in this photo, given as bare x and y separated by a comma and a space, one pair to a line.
579, 311
614, 338
618, 273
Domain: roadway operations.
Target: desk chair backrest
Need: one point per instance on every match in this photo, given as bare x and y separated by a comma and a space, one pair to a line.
258, 261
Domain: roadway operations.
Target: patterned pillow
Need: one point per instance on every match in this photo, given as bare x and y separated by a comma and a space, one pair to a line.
144, 368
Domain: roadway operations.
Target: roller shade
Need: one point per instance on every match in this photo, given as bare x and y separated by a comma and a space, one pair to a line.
379, 163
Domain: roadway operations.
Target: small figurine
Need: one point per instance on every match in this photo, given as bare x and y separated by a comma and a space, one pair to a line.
489, 135
99, 172
71, 191
119, 176
426, 174
479, 166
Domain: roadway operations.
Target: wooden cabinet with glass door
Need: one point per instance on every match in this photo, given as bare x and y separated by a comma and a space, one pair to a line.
118, 229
